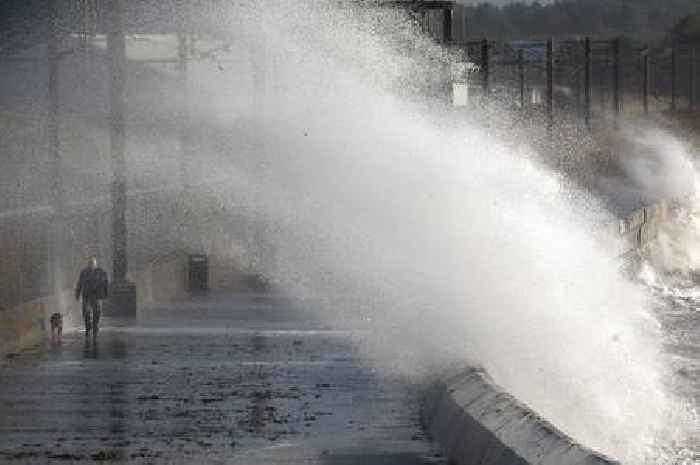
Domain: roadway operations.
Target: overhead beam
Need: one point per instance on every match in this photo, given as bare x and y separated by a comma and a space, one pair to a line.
418, 5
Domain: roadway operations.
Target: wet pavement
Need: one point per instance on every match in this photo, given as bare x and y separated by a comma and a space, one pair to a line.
244, 379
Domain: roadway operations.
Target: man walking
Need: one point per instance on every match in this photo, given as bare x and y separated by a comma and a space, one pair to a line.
92, 287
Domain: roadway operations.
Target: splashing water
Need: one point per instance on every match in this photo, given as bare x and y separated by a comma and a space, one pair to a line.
379, 206
674, 260
670, 270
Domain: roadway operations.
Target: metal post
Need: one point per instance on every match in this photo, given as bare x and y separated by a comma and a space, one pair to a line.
674, 51
550, 88
691, 76
617, 98
521, 76
184, 99
117, 55
447, 25
56, 243
53, 139
646, 78
88, 23
587, 82
122, 294
485, 69
579, 82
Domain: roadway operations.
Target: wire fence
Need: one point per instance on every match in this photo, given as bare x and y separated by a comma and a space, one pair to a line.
583, 80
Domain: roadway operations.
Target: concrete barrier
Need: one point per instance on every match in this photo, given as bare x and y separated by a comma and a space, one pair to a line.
477, 423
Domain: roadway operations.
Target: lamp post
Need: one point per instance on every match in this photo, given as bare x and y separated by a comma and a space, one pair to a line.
122, 298
181, 12
550, 88
56, 242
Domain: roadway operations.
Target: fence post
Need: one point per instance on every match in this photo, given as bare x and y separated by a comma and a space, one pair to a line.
691, 76
617, 100
521, 76
550, 88
646, 78
579, 82
447, 25
485, 69
587, 83
674, 51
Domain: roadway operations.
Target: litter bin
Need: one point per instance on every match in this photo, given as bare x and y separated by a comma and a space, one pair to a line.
198, 273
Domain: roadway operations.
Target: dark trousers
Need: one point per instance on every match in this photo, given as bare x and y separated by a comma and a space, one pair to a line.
92, 308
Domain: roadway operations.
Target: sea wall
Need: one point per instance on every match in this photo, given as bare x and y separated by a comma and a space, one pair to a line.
477, 423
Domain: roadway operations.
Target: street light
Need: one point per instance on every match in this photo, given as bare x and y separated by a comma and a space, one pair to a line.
122, 298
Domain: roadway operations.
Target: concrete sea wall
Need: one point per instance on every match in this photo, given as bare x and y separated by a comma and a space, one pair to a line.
478, 423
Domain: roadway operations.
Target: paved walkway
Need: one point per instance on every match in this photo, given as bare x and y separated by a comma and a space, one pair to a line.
223, 380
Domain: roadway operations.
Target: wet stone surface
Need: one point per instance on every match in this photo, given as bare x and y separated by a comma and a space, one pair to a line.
226, 380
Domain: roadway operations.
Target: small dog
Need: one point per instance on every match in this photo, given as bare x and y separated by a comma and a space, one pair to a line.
56, 326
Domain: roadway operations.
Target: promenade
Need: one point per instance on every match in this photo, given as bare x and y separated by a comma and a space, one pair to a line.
224, 379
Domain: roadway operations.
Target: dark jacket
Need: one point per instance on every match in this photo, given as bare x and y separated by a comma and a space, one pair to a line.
92, 283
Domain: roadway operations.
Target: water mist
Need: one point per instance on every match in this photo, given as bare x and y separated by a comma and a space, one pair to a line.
451, 248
